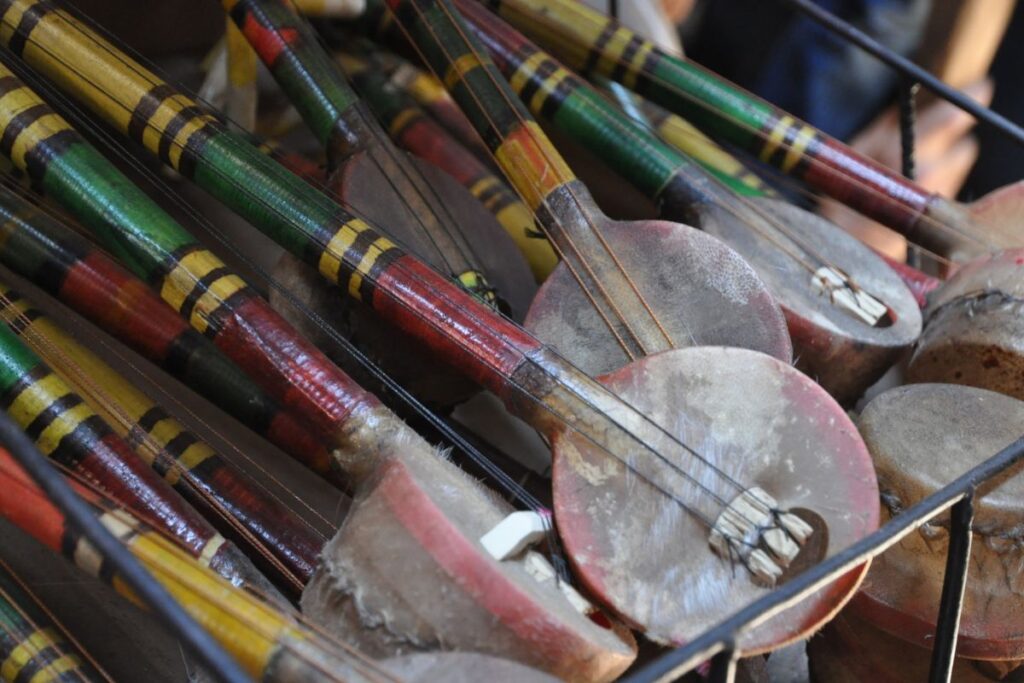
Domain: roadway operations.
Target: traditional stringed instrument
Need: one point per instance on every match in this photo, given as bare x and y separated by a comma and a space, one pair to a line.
430, 214
610, 302
622, 437
223, 494
371, 446
417, 132
849, 315
272, 645
590, 42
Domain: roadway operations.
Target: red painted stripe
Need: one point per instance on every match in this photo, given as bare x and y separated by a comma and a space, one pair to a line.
290, 368
456, 327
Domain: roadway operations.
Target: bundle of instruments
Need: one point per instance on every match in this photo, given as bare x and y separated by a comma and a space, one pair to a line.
539, 427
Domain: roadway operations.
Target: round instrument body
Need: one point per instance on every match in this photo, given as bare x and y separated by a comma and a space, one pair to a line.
761, 422
358, 184
701, 291
407, 572
850, 650
922, 437
993, 221
974, 327
461, 667
840, 351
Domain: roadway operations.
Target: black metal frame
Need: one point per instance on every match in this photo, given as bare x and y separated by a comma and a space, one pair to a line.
718, 644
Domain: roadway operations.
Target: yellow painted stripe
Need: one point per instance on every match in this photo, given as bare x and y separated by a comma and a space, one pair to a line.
402, 120
525, 71
27, 650
210, 549
424, 87
776, 137
53, 670
546, 88
193, 456
613, 50
36, 397
459, 68
636, 64
66, 423
330, 260
180, 282
796, 150
213, 298
480, 187
378, 247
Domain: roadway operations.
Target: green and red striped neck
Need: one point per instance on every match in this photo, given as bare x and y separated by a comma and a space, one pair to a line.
593, 43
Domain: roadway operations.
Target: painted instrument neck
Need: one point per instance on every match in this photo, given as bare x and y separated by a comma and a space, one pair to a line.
39, 247
593, 43
287, 46
225, 496
270, 643
523, 151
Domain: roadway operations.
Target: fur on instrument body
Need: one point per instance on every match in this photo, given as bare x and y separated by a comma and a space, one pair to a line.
228, 498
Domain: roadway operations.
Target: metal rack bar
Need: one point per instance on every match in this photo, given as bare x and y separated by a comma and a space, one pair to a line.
908, 69
958, 555
720, 638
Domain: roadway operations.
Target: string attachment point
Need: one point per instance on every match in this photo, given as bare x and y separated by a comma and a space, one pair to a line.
847, 296
765, 539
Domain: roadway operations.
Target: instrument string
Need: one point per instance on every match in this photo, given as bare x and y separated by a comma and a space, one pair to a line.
551, 163
59, 360
180, 407
500, 337
214, 594
64, 631
553, 25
